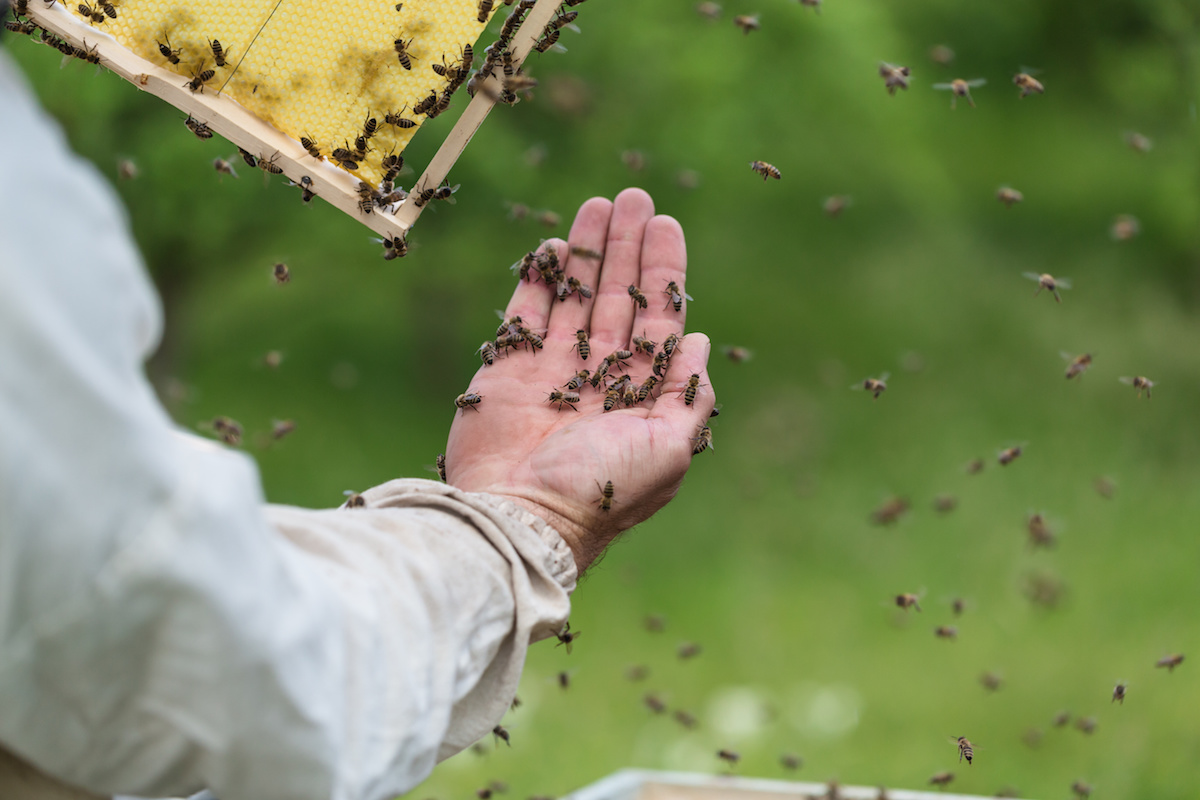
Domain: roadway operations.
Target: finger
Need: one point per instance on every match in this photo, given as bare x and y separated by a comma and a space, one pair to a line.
612, 314
691, 358
588, 232
531, 299
664, 260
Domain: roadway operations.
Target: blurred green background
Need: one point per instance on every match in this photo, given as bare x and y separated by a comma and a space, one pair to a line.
768, 559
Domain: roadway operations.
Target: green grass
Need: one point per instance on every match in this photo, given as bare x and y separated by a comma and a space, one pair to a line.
768, 558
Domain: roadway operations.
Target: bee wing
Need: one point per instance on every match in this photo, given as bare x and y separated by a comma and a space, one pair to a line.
884, 377
1029, 70
500, 313
1062, 283
1125, 379
943, 86
1066, 356
858, 387
1033, 276
977, 82
688, 296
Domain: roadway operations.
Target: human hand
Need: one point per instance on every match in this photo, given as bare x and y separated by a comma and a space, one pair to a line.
556, 462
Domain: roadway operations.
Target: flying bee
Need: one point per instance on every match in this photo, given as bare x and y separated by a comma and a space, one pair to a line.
228, 429
908, 600
197, 127
876, 386
890, 511
945, 503
675, 296
766, 170
991, 681
169, 53
835, 204
729, 756
946, 632
747, 22
1077, 365
586, 252
468, 400
964, 749
960, 88
1125, 227
577, 381
974, 466
643, 345
281, 428
736, 354
686, 719
566, 637
1049, 283
1040, 534
485, 8
606, 500
1140, 383
1086, 724
582, 344
1028, 84
1061, 719
639, 299
281, 273
354, 499
199, 78
487, 353
1009, 196
127, 170
941, 778
1105, 487
1008, 455
1082, 789
1170, 662
958, 606
708, 9
654, 703
218, 52
563, 399
402, 55
702, 440
894, 77
500, 732
441, 471
1119, 693
1139, 142
791, 761
223, 167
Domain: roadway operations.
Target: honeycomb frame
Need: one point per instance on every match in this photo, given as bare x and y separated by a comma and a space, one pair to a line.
279, 149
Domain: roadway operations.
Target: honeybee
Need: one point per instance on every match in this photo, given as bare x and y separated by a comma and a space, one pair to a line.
402, 55
945, 503
1044, 589
109, 9
1009, 196
586, 252
391, 164
441, 471
654, 703
548, 218
354, 499
941, 778
637, 672
311, 146
1028, 84
685, 719
577, 381
468, 400
644, 390
1032, 737
747, 22
1008, 455
500, 732
20, 26
958, 606
974, 466
991, 681
424, 196
729, 756
766, 170
661, 361
1105, 487
618, 358
941, 54
269, 165
127, 170
487, 353
370, 125
876, 386
599, 375
892, 509
1077, 365
946, 632
582, 344
218, 52
86, 10
964, 749
689, 391
908, 600
396, 118
171, 54
224, 167
1139, 142
639, 299
791, 761
281, 273
1119, 693
563, 399
1061, 719
606, 496
1170, 662
688, 650
736, 354
670, 343
894, 76
445, 191
485, 8
675, 296
228, 429
1140, 383
1081, 789
1040, 534
1048, 282
835, 204
197, 127
1125, 227
960, 88
199, 78
250, 160
566, 637
580, 288
1086, 724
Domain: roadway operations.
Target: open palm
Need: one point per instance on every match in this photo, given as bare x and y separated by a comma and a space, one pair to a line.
555, 461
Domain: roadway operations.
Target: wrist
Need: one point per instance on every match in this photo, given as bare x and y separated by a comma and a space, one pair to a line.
575, 534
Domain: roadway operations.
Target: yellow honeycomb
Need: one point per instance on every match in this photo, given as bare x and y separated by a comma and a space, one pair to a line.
310, 68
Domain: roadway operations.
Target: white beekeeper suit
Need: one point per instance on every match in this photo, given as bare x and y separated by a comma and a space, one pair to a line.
161, 629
